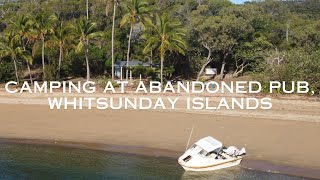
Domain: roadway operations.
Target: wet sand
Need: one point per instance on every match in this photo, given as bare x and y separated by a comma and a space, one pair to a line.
284, 143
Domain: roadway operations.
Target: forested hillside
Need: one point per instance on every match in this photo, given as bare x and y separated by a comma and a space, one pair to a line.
55, 39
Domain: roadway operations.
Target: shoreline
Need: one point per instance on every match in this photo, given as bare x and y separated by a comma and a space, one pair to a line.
252, 164
294, 108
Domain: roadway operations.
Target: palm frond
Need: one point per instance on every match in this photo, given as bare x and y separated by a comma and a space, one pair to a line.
79, 47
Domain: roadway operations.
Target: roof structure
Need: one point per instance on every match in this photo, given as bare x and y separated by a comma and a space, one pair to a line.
132, 63
209, 144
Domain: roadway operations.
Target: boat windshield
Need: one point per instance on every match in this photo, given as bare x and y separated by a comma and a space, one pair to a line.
196, 149
212, 152
193, 146
203, 152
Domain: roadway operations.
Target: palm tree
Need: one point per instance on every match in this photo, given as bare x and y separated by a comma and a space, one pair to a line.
44, 25
84, 30
137, 11
115, 3
22, 27
10, 47
166, 35
60, 36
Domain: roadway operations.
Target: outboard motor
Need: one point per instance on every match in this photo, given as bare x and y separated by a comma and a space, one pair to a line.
242, 152
233, 151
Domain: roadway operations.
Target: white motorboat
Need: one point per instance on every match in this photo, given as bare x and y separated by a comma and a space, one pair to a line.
209, 154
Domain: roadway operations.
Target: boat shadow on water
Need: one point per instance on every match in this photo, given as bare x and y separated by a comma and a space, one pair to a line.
230, 173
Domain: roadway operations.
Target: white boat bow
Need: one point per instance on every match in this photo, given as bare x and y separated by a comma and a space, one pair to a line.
208, 154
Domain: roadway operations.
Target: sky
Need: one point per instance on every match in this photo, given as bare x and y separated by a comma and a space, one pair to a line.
238, 1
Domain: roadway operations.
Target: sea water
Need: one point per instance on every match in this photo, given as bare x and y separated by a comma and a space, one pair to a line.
22, 161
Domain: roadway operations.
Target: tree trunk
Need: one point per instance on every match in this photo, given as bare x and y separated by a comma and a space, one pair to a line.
151, 56
287, 33
226, 53
161, 69
112, 41
29, 70
204, 66
202, 69
238, 72
128, 53
240, 68
60, 60
28, 65
43, 65
16, 70
87, 5
222, 70
87, 59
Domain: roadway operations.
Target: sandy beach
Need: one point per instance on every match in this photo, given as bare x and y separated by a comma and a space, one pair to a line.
286, 135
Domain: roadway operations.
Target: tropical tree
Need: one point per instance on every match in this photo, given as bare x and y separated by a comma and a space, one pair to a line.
32, 45
43, 23
84, 30
22, 27
167, 35
60, 36
218, 34
137, 11
115, 4
249, 53
10, 46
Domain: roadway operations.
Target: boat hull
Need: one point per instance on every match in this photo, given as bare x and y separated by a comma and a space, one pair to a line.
213, 167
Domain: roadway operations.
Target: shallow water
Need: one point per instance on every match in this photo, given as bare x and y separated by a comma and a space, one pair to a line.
21, 161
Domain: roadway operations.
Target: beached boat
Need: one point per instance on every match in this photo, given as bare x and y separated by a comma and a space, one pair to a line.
209, 154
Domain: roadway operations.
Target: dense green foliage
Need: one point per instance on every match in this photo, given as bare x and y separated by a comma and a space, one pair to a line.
270, 40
